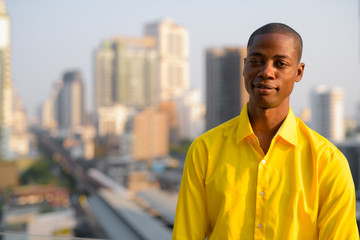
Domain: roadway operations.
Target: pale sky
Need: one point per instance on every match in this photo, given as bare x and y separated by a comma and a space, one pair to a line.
52, 37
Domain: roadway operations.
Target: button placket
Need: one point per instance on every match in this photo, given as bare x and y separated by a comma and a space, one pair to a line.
260, 199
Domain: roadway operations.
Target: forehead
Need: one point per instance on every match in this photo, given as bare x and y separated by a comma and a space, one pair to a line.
273, 44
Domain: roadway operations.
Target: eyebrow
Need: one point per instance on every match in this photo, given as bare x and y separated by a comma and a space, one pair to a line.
257, 54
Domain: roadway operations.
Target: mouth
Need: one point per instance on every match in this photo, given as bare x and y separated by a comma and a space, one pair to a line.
264, 88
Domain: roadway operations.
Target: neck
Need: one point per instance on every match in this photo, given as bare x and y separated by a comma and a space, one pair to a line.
265, 122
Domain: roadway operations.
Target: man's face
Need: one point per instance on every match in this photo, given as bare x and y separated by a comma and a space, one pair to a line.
271, 69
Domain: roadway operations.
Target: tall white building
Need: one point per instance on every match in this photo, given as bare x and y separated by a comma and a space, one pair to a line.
327, 112
5, 83
173, 52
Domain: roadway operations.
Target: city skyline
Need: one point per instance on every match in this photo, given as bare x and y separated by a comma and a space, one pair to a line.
111, 84
330, 34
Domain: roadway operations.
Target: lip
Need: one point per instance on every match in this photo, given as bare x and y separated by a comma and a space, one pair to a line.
263, 88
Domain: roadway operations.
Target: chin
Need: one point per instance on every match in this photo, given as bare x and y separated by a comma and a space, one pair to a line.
268, 105
264, 104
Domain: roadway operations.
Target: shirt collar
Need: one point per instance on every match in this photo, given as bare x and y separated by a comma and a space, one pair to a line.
244, 127
287, 130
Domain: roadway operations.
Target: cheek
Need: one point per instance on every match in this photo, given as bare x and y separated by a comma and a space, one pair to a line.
247, 83
247, 87
248, 74
289, 87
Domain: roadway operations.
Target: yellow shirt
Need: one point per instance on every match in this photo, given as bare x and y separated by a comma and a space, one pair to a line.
301, 189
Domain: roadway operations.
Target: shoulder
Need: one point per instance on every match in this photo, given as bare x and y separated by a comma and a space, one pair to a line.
219, 133
321, 148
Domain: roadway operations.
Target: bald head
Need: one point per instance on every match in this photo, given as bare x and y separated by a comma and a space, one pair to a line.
281, 29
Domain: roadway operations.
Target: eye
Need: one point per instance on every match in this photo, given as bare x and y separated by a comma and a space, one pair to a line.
282, 64
255, 61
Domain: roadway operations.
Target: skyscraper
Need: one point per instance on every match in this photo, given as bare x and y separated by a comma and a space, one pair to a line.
21, 140
49, 111
71, 102
327, 112
225, 88
104, 75
173, 51
5, 83
126, 73
135, 71
19, 123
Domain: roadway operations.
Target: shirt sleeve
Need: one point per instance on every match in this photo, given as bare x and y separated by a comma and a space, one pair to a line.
191, 217
337, 211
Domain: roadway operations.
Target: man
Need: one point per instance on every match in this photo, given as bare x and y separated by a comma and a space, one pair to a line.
265, 174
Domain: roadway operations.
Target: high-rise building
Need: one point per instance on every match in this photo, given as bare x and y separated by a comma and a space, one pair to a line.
135, 71
172, 42
5, 83
19, 124
70, 102
327, 112
225, 88
104, 75
21, 140
126, 73
49, 111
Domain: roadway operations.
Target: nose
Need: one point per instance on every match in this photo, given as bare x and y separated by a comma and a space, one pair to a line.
267, 71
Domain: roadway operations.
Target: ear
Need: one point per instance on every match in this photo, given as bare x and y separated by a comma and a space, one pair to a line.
299, 72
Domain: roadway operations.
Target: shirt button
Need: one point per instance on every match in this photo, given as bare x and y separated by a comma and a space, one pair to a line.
263, 161
261, 193
259, 225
